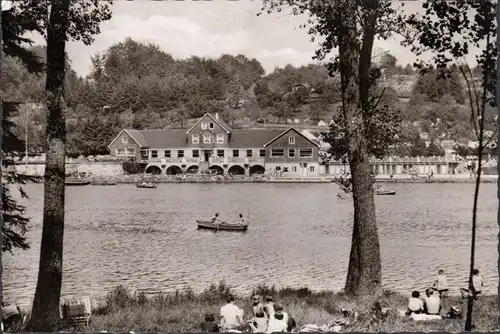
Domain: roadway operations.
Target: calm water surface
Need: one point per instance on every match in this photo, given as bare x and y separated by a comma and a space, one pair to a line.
146, 239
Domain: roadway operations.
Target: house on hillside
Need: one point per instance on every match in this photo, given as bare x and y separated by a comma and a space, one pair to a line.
212, 144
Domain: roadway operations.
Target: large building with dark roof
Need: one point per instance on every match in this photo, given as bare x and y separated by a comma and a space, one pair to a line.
212, 144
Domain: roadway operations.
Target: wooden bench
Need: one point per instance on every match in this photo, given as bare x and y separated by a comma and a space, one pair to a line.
77, 313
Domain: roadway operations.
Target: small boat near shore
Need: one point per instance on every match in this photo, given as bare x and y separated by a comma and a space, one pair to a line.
76, 183
223, 226
147, 185
385, 192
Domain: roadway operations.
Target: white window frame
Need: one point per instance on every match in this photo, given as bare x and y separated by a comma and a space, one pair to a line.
211, 125
294, 153
311, 169
277, 156
204, 125
157, 154
128, 154
195, 139
301, 155
121, 155
291, 140
207, 138
124, 139
220, 138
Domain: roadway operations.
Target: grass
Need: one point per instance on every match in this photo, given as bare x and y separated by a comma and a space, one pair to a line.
183, 311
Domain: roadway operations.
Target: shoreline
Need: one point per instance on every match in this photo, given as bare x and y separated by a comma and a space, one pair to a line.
182, 311
137, 178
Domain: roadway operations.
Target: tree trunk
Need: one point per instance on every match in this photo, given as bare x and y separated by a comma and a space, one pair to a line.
498, 153
364, 276
1, 170
45, 312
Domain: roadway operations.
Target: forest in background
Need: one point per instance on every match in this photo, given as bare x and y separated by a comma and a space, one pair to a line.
137, 85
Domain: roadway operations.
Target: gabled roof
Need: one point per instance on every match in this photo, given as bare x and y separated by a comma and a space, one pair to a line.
285, 132
220, 122
134, 134
243, 138
165, 138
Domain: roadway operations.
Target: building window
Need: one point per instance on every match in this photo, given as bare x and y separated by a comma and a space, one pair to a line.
195, 139
236, 153
154, 154
130, 151
167, 154
278, 168
180, 154
306, 153
211, 125
311, 169
144, 154
262, 153
220, 153
291, 153
277, 152
204, 126
207, 138
291, 140
120, 152
294, 169
125, 139
285, 169
249, 153
196, 154
220, 138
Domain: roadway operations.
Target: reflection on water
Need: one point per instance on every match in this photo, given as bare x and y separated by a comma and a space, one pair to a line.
299, 235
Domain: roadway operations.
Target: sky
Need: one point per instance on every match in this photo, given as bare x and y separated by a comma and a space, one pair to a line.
214, 27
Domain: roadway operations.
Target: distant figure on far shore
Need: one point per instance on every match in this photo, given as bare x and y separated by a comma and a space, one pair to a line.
215, 219
241, 221
441, 284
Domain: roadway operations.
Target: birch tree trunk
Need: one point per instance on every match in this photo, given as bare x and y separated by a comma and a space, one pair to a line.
1, 170
45, 313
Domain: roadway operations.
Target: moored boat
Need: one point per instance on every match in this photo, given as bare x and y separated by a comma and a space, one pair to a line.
148, 185
385, 192
76, 183
222, 226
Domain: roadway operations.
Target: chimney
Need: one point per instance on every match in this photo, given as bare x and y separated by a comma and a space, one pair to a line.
217, 116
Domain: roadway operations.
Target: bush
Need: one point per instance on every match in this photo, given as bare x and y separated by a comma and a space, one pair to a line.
132, 167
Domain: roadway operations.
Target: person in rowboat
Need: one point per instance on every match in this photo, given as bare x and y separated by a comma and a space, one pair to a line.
241, 221
215, 219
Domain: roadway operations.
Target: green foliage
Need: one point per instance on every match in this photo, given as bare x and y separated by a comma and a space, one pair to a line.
132, 167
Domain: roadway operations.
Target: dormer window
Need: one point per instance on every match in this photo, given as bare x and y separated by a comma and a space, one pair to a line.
125, 140
211, 125
220, 138
207, 138
291, 140
195, 139
204, 125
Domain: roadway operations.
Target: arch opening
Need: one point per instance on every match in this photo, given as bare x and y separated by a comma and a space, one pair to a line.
236, 170
173, 170
192, 169
257, 169
153, 170
218, 169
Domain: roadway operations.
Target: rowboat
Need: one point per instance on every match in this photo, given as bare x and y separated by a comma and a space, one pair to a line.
385, 192
76, 183
222, 226
148, 185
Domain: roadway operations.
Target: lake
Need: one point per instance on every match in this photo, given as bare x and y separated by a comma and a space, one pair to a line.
299, 235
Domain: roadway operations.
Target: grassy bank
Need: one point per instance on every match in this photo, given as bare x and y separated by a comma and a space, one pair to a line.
183, 311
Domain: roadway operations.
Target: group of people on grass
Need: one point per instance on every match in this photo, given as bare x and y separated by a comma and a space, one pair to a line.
431, 303
267, 317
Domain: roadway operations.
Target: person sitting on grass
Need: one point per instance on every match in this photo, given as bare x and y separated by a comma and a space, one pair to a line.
441, 284
256, 304
415, 304
259, 322
269, 306
477, 286
278, 322
432, 305
231, 316
209, 324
